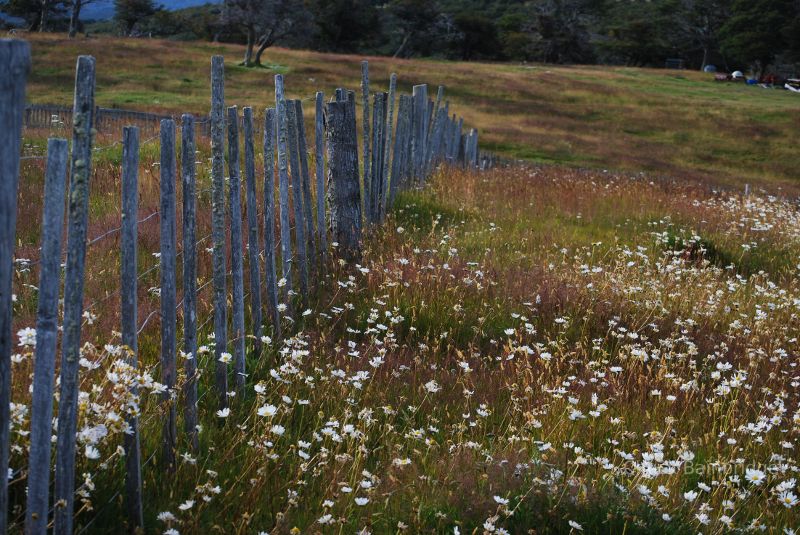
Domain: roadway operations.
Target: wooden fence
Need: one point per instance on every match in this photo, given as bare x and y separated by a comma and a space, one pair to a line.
400, 147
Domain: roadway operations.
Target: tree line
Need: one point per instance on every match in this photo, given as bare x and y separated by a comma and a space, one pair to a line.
731, 34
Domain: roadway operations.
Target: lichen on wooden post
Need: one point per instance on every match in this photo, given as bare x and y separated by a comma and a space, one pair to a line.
218, 226
46, 338
344, 193
283, 185
78, 219
319, 160
270, 277
188, 179
237, 261
252, 230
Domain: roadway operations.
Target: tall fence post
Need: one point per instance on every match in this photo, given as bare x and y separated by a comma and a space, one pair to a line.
297, 201
189, 236
168, 291
237, 269
344, 193
319, 160
388, 142
283, 178
129, 313
419, 131
270, 277
376, 173
400, 145
46, 338
365, 134
218, 225
14, 65
308, 210
80, 172
252, 229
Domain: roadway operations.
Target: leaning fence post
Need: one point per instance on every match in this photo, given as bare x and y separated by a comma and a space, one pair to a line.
81, 166
168, 297
14, 65
365, 134
237, 271
283, 177
46, 338
270, 277
188, 177
344, 193
129, 313
218, 225
252, 229
319, 159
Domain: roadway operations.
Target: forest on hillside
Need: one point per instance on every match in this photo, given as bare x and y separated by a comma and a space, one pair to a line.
755, 35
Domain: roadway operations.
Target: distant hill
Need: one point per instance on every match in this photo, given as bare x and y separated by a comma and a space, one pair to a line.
104, 9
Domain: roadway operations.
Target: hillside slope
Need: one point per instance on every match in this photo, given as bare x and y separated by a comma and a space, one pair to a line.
673, 123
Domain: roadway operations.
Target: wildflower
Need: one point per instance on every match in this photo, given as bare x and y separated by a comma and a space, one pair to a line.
224, 413
362, 501
166, 516
787, 499
754, 476
268, 411
27, 337
278, 430
172, 531
501, 500
225, 358
185, 506
575, 525
432, 386
690, 495
91, 452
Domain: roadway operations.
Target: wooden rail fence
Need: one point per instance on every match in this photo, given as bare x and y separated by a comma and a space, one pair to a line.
401, 146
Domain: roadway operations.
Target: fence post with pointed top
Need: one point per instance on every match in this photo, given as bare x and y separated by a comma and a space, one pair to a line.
237, 268
270, 277
252, 229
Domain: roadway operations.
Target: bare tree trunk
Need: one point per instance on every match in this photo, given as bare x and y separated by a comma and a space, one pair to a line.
265, 44
402, 45
43, 19
248, 53
74, 19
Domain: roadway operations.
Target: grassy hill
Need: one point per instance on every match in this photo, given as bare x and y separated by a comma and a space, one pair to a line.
668, 123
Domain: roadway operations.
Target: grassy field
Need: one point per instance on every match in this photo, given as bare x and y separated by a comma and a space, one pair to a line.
532, 349
668, 123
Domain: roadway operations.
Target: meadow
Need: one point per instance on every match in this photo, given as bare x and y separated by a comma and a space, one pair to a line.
606, 343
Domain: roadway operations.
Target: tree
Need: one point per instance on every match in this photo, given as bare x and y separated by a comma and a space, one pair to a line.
559, 32
37, 15
264, 23
128, 13
478, 36
752, 35
345, 25
420, 27
702, 20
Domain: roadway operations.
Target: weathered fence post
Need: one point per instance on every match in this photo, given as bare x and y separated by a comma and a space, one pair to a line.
46, 338
418, 131
297, 201
189, 236
252, 229
402, 141
308, 210
376, 173
237, 269
168, 291
365, 134
319, 160
270, 277
283, 177
14, 65
218, 225
129, 313
81, 170
344, 193
388, 142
